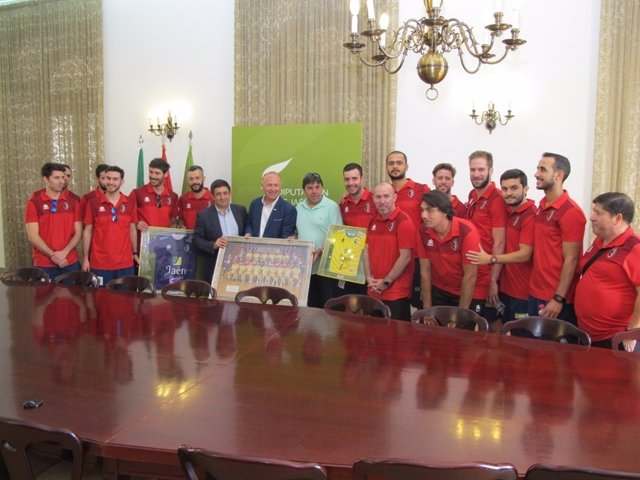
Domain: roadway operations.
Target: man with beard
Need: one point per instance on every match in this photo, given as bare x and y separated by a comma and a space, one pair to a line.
487, 211
157, 206
559, 231
101, 186
516, 272
409, 196
197, 198
109, 237
357, 210
443, 180
67, 181
214, 224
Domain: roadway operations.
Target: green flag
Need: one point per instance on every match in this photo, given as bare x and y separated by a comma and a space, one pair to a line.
140, 180
185, 183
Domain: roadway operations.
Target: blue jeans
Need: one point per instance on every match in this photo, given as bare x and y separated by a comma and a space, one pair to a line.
105, 276
53, 272
514, 308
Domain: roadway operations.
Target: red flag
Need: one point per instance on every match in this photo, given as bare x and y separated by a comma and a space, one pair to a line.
167, 179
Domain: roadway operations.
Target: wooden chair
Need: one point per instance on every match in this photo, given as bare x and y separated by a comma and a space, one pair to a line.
266, 293
633, 334
79, 279
25, 275
456, 317
405, 470
545, 328
190, 289
133, 283
359, 304
221, 467
550, 472
17, 439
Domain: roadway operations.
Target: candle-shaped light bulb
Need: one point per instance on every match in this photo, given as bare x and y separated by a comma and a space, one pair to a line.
384, 23
515, 19
370, 10
354, 7
497, 5
354, 24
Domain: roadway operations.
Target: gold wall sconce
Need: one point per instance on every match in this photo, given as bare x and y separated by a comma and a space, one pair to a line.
168, 129
491, 117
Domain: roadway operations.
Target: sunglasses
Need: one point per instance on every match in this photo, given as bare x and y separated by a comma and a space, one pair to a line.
54, 206
114, 214
158, 201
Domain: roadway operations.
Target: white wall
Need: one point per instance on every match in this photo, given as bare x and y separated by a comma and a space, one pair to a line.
159, 52
550, 81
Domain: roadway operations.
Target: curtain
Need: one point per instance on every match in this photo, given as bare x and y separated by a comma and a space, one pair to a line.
617, 139
51, 103
291, 68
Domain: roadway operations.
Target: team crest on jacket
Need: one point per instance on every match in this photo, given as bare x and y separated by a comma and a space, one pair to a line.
146, 200
101, 209
123, 208
516, 220
188, 205
168, 200
483, 204
550, 215
612, 253
65, 205
454, 244
392, 226
45, 207
430, 242
411, 193
367, 208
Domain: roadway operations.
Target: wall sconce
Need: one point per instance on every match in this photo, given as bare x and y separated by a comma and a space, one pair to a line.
168, 129
491, 117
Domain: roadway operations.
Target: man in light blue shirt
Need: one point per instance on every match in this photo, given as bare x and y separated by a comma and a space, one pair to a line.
315, 214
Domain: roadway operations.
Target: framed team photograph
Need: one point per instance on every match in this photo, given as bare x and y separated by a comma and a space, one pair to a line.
343, 254
251, 261
167, 255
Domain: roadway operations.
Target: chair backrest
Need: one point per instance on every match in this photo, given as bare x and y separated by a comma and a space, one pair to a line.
456, 317
551, 472
16, 437
404, 470
360, 304
633, 334
548, 329
133, 283
25, 275
220, 467
80, 279
189, 288
265, 293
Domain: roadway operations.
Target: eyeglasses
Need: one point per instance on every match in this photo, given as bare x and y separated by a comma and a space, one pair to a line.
158, 201
114, 214
312, 177
54, 206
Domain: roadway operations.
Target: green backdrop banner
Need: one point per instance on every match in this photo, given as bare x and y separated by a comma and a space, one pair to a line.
292, 151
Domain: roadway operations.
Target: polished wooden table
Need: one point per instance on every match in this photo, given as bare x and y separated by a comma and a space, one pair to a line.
135, 377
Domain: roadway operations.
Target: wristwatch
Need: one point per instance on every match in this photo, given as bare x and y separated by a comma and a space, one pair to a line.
494, 259
386, 282
559, 298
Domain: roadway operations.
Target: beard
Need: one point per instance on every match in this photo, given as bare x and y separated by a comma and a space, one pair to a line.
399, 176
197, 187
483, 184
545, 185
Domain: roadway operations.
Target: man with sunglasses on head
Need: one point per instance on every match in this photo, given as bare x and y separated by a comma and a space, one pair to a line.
157, 205
54, 224
109, 237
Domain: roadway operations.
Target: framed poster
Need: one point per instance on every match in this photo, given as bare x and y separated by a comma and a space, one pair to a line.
251, 261
343, 254
167, 256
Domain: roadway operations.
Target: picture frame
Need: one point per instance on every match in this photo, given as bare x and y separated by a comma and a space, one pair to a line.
343, 254
252, 261
167, 255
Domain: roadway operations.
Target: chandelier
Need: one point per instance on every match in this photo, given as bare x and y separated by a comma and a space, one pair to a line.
168, 129
431, 37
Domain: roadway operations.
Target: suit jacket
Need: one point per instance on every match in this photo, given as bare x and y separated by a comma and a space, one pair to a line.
208, 230
281, 223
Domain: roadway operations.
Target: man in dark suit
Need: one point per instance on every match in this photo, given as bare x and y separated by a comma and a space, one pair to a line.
271, 216
214, 224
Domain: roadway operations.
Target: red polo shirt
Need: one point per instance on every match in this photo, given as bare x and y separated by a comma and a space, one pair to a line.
85, 199
459, 208
111, 247
562, 221
448, 255
385, 238
189, 206
486, 212
410, 198
56, 229
514, 277
357, 214
156, 210
606, 294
